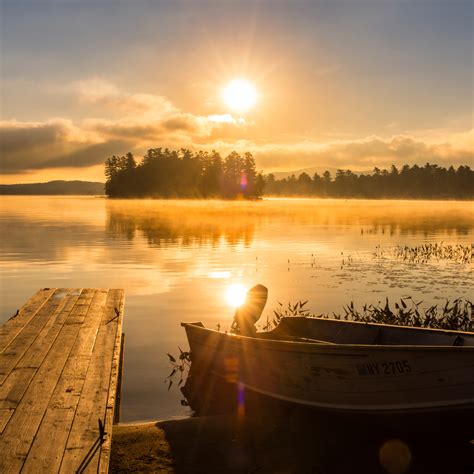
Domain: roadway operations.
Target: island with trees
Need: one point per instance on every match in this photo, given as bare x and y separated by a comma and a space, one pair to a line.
165, 173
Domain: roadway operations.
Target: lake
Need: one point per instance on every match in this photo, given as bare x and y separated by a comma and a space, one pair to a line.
177, 259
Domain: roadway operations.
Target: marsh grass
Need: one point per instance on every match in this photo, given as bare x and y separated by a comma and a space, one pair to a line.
291, 310
453, 315
427, 252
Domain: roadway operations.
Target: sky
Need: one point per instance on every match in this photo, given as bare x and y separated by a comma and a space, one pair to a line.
349, 84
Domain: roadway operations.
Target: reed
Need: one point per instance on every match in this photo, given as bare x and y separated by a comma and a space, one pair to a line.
429, 251
454, 315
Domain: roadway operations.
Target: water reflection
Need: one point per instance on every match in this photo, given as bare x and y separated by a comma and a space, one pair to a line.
191, 223
178, 226
176, 259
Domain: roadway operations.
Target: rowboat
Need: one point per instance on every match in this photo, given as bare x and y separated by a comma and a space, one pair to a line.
343, 365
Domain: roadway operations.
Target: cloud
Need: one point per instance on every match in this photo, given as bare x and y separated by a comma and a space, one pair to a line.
368, 152
149, 121
152, 121
60, 143
226, 118
36, 145
107, 94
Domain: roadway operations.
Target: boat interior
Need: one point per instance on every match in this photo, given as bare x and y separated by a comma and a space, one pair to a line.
333, 331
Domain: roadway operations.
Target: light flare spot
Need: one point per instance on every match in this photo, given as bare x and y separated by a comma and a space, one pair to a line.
235, 295
395, 456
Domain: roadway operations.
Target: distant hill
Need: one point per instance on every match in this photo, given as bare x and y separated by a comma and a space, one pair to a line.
54, 188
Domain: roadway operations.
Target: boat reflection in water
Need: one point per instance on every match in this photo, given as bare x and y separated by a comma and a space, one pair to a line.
329, 379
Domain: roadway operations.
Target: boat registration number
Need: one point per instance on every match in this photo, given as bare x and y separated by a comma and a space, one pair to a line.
395, 367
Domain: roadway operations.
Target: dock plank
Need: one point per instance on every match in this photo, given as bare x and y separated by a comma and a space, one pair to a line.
34, 329
20, 431
63, 381
22, 373
10, 329
109, 417
61, 409
95, 395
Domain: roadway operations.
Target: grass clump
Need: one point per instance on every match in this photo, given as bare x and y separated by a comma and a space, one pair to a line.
453, 315
426, 252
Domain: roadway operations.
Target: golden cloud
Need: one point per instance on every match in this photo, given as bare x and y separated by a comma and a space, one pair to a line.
153, 121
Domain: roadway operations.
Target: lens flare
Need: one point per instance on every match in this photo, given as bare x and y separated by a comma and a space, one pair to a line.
235, 294
395, 456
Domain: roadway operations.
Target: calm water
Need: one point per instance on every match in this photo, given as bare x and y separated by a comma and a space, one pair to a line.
176, 259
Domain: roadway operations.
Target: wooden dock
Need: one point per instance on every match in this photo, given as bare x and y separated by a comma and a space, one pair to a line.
59, 370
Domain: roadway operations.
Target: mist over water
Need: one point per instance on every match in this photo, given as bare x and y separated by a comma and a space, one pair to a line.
176, 260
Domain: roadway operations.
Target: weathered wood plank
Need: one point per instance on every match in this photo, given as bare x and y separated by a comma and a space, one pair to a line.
46, 453
112, 395
118, 392
61, 366
20, 431
36, 327
10, 329
5, 415
59, 416
21, 375
14, 388
93, 404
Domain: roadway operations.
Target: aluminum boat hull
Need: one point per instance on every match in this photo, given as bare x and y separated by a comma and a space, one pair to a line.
343, 376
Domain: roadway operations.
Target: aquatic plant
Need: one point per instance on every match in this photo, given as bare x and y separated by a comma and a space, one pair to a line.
180, 367
428, 251
297, 309
454, 315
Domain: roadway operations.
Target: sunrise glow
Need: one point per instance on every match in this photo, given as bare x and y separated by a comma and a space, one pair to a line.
239, 95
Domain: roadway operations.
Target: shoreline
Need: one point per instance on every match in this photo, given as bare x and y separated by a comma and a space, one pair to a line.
288, 441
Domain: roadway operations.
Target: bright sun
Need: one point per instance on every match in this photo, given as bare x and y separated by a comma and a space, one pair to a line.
240, 95
235, 294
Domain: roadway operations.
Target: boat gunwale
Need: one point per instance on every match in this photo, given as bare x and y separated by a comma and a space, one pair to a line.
453, 332
332, 347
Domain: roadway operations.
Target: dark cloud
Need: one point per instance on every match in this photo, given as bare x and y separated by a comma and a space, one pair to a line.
28, 146
17, 138
185, 122
86, 156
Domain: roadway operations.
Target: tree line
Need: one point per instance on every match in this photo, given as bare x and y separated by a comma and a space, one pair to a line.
415, 182
165, 173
